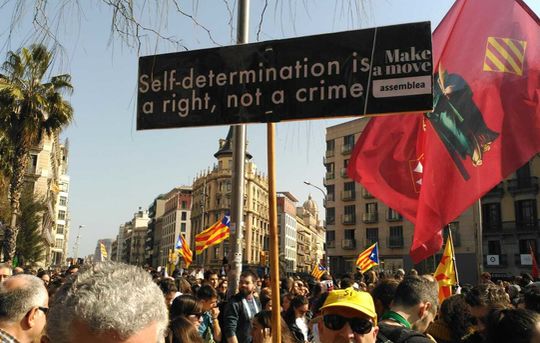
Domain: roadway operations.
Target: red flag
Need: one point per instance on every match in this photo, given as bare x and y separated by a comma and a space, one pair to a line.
485, 123
534, 268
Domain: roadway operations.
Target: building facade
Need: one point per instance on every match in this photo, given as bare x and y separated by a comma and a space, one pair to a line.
176, 219
212, 191
130, 241
311, 237
291, 242
510, 226
355, 219
98, 254
46, 177
153, 233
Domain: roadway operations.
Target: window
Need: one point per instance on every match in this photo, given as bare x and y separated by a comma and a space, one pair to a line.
350, 210
526, 244
372, 236
371, 207
393, 215
184, 205
183, 227
63, 201
184, 216
491, 217
348, 141
524, 173
330, 167
60, 229
349, 186
61, 215
395, 240
526, 216
349, 234
345, 163
494, 247
59, 243
330, 190
330, 216
64, 187
330, 145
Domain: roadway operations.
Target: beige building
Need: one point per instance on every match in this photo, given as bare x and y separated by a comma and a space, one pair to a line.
176, 219
311, 236
510, 226
355, 219
130, 241
212, 200
46, 176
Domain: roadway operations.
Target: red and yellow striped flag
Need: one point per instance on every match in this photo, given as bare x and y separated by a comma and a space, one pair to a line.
215, 234
368, 258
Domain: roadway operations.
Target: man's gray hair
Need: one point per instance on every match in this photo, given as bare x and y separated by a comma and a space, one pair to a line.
107, 297
16, 301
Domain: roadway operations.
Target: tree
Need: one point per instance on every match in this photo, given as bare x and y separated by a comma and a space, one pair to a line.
30, 246
29, 109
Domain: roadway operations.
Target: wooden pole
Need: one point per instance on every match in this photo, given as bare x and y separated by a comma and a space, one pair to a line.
274, 238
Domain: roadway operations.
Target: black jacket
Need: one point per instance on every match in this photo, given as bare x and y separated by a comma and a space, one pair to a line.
236, 321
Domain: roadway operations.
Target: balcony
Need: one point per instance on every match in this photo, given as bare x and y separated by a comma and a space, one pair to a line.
331, 244
329, 153
527, 225
495, 192
344, 173
348, 244
330, 220
495, 227
366, 194
393, 216
329, 198
329, 175
395, 242
370, 217
346, 149
524, 185
348, 195
348, 219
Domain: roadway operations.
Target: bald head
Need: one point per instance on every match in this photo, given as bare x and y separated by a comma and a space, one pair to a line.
19, 294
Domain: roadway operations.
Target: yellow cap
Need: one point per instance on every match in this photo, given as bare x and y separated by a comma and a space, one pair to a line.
356, 300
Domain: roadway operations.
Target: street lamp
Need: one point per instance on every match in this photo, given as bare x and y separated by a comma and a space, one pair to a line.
76, 245
324, 246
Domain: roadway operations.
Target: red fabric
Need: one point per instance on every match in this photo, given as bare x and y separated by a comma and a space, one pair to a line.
388, 151
534, 268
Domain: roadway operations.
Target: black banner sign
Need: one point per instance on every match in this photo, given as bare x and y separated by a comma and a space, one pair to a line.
365, 72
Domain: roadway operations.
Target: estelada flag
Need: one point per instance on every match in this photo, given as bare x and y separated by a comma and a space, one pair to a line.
215, 234
445, 274
368, 258
103, 250
318, 271
485, 124
182, 248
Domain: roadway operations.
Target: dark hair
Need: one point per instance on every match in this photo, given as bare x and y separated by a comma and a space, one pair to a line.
531, 297
183, 331
457, 315
185, 305
167, 286
184, 286
511, 325
264, 318
42, 272
206, 292
384, 292
247, 273
346, 283
209, 273
265, 299
413, 290
487, 294
296, 302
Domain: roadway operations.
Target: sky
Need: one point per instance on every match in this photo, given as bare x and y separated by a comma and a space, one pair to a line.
115, 169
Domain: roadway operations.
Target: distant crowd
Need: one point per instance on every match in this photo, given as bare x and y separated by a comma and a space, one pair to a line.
113, 302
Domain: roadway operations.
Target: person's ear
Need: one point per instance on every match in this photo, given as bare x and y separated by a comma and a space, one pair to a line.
30, 317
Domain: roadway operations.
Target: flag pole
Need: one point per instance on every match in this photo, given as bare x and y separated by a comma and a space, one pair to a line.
274, 239
479, 253
238, 177
453, 254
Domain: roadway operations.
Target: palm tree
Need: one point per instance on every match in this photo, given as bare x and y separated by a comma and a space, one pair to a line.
29, 108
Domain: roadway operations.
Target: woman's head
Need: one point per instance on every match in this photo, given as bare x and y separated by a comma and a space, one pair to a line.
513, 325
261, 328
188, 306
184, 331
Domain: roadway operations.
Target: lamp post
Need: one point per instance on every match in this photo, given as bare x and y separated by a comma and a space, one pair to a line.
76, 245
327, 259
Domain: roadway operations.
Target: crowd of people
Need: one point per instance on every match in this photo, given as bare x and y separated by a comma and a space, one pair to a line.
112, 302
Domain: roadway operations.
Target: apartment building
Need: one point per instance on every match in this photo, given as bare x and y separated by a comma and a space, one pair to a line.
510, 226
355, 219
212, 191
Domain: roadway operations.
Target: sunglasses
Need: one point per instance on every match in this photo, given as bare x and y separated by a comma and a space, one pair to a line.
198, 315
336, 322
